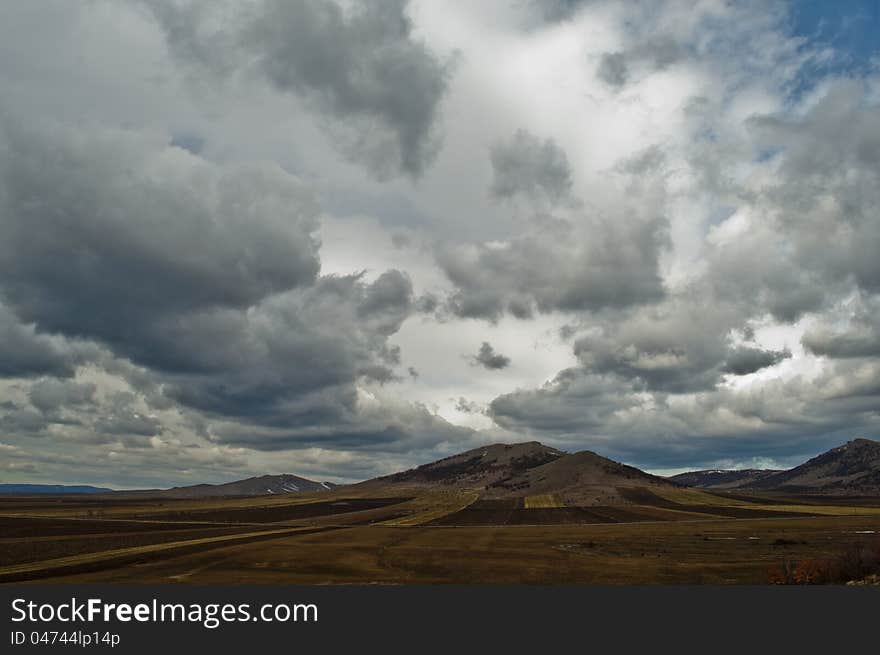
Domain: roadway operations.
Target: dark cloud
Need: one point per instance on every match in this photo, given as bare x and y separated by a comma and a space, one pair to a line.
574, 402
25, 353
201, 284
378, 427
678, 346
296, 357
527, 166
610, 415
489, 359
558, 267
359, 65
109, 235
745, 360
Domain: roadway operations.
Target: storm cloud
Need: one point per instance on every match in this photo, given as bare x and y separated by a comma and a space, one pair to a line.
206, 276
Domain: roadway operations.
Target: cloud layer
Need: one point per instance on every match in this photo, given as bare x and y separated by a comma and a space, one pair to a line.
253, 237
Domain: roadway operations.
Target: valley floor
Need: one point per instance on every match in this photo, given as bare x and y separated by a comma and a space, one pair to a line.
451, 537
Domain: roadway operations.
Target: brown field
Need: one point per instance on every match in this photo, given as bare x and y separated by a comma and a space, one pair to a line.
677, 536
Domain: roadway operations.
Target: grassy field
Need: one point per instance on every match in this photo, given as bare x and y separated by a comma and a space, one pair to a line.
435, 536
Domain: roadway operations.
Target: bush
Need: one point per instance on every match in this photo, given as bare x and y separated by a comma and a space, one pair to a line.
855, 563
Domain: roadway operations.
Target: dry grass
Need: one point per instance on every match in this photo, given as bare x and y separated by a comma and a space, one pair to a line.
717, 552
433, 506
542, 501
16, 571
696, 497
680, 537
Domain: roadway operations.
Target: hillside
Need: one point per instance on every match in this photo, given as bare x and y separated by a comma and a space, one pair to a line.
479, 467
722, 479
849, 470
582, 478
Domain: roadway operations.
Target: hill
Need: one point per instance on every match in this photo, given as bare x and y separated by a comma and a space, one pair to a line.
519, 470
722, 479
51, 489
259, 486
479, 467
852, 469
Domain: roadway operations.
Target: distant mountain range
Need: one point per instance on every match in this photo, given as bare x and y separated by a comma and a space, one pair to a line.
263, 485
852, 469
722, 479
533, 469
52, 489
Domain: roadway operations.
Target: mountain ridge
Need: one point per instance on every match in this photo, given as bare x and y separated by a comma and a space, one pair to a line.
853, 468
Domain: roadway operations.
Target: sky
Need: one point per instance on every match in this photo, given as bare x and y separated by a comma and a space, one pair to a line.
341, 238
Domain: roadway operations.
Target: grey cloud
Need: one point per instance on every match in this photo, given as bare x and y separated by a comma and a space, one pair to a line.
48, 395
200, 283
828, 187
104, 235
129, 424
387, 301
606, 413
556, 267
466, 406
615, 68
812, 235
381, 427
25, 353
189, 142
679, 346
122, 417
359, 65
295, 357
525, 165
861, 338
552, 11
572, 403
22, 420
648, 386
489, 359
745, 360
